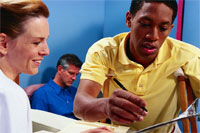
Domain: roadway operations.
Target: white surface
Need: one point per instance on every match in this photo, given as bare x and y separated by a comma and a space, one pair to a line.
45, 122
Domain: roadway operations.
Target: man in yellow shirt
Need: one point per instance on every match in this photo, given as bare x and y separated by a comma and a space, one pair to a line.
144, 61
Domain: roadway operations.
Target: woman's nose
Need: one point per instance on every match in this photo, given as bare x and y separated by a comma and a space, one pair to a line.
45, 49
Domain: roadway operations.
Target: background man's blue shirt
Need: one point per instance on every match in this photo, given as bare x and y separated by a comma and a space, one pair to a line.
53, 98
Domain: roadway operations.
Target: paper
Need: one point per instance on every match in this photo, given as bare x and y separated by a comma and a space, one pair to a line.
45, 122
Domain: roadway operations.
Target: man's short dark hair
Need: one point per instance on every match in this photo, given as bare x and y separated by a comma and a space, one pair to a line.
137, 5
69, 59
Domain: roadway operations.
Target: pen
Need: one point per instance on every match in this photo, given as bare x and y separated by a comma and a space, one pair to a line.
121, 86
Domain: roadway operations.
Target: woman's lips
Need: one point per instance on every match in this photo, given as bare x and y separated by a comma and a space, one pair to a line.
37, 62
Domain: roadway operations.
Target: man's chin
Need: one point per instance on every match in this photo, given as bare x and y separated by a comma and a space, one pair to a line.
68, 85
150, 56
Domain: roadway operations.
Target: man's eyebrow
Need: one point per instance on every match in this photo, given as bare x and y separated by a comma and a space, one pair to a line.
149, 19
166, 23
146, 18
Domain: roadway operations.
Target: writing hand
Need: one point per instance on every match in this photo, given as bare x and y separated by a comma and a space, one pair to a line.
124, 107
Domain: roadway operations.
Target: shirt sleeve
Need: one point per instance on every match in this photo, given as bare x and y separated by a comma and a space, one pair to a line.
192, 70
96, 65
39, 101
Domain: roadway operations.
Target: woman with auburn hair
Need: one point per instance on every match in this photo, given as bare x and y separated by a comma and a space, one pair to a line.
23, 44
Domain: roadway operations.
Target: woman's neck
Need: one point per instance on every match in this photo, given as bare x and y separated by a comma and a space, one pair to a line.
8, 70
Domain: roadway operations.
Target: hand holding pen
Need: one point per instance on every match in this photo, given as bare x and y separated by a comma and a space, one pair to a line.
121, 86
124, 107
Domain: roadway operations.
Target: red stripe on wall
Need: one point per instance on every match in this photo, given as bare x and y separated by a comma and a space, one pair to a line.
179, 20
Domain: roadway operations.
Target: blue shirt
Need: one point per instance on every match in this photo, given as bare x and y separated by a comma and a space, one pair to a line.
53, 98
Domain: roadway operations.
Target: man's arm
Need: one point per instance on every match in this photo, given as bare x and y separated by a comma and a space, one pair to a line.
122, 106
192, 70
39, 101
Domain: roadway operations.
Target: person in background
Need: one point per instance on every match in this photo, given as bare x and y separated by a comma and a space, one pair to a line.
24, 30
57, 96
143, 61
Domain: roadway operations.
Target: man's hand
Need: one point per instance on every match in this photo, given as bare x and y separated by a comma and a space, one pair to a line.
121, 107
124, 107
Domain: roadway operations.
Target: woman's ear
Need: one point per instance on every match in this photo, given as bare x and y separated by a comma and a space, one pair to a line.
128, 19
3, 44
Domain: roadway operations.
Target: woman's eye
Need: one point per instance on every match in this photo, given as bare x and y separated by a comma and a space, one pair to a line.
36, 43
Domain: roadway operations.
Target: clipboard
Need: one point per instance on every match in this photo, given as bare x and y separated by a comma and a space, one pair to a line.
192, 111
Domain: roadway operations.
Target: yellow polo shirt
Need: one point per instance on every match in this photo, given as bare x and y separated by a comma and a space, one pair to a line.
156, 84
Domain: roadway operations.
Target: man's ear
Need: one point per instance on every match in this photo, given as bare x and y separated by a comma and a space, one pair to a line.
128, 19
171, 27
3, 44
59, 69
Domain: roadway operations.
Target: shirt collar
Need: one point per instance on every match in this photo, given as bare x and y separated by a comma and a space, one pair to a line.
164, 52
122, 51
55, 87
